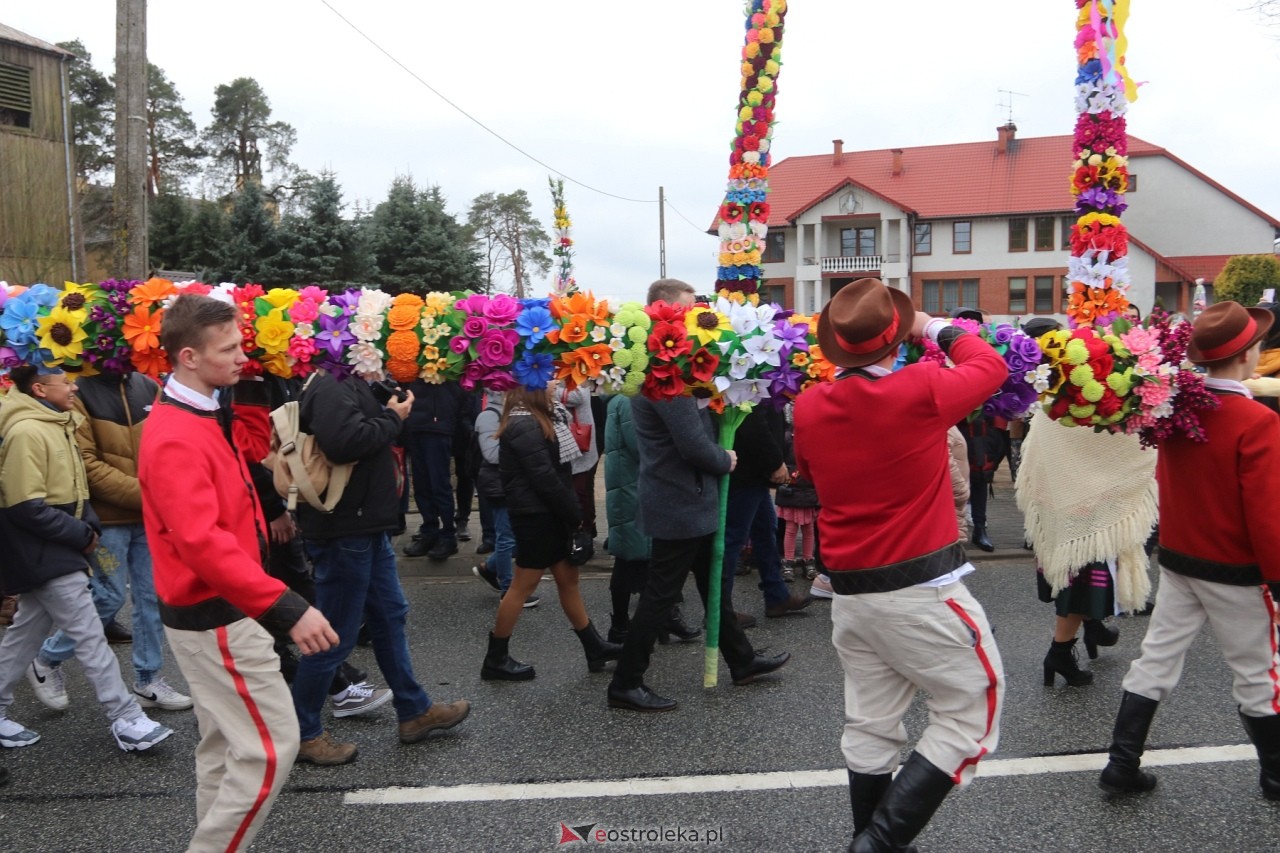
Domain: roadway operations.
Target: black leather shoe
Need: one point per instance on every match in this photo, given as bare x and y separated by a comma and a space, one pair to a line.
981, 539
797, 602
464, 532
419, 546
116, 633
443, 549
639, 699
486, 547
745, 620
760, 665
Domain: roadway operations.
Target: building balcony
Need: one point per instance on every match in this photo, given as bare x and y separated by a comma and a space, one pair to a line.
864, 263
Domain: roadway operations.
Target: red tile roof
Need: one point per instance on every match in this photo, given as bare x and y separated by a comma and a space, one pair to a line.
1206, 267
938, 181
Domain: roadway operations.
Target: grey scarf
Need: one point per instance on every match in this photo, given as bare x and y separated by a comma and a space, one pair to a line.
569, 450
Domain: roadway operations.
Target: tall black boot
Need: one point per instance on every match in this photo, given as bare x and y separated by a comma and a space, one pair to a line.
1061, 659
912, 798
1098, 633
865, 792
597, 649
1122, 774
1265, 734
677, 628
499, 665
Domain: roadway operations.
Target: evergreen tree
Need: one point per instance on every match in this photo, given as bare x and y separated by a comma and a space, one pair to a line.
93, 98
418, 245
509, 239
246, 255
173, 150
168, 219
1245, 277
242, 136
202, 238
316, 244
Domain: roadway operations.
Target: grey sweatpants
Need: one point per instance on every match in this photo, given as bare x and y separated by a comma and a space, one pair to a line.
65, 603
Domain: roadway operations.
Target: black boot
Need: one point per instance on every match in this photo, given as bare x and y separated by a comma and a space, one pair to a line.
598, 650
1122, 774
865, 792
618, 631
912, 798
1061, 659
499, 665
1265, 734
677, 628
1098, 633
981, 539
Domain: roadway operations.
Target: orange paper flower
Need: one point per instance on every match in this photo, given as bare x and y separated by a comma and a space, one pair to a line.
142, 329
401, 370
574, 330
152, 362
403, 346
152, 291
405, 312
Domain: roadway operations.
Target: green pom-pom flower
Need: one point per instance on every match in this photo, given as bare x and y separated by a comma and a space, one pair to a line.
1082, 413
1081, 375
1093, 391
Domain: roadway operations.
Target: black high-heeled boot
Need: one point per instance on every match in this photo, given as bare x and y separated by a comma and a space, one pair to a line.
676, 627
1061, 659
1098, 633
499, 665
597, 649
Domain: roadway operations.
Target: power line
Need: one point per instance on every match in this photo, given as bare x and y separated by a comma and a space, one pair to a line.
698, 228
477, 121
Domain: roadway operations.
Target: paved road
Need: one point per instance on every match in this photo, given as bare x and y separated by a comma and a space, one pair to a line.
74, 791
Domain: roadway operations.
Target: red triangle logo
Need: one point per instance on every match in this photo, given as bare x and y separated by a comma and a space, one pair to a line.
567, 835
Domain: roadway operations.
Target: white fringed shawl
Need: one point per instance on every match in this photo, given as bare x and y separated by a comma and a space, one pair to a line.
1088, 497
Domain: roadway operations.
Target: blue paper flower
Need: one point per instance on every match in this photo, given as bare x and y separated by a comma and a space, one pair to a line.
534, 370
533, 323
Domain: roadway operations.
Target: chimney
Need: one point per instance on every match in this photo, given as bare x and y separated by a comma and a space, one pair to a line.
1004, 137
837, 154
897, 161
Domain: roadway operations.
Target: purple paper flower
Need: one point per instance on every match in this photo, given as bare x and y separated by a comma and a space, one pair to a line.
474, 304
473, 375
785, 381
474, 327
497, 347
1027, 347
500, 380
460, 344
502, 309
791, 336
1002, 334
346, 300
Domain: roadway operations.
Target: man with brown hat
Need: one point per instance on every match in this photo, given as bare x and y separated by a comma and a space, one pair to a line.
902, 619
1219, 560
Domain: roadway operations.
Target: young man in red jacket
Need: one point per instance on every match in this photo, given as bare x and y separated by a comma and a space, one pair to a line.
1219, 560
874, 443
208, 542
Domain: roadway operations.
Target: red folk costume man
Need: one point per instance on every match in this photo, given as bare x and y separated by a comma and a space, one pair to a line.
1219, 554
208, 541
874, 443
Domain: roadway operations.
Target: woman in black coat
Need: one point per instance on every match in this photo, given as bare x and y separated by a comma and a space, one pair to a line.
544, 513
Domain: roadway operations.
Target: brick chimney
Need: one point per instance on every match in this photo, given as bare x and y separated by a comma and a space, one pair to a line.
837, 153
897, 161
1004, 137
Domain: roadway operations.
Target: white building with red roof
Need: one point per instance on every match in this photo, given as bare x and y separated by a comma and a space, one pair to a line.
986, 224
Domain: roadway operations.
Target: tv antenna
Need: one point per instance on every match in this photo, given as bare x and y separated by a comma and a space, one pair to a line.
1009, 95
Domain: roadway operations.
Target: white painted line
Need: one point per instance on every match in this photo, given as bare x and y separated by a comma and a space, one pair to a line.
781, 780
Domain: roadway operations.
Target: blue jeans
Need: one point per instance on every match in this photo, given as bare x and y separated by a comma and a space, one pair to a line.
356, 581
122, 554
429, 457
751, 515
504, 545
486, 519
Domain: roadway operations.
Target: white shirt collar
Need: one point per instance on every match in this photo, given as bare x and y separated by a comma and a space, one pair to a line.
1227, 385
195, 399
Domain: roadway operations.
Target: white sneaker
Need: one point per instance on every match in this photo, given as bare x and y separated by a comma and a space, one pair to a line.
140, 733
15, 735
821, 587
49, 685
359, 699
158, 694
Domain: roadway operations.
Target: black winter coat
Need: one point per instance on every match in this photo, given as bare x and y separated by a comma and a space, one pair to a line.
759, 444
352, 426
436, 408
533, 477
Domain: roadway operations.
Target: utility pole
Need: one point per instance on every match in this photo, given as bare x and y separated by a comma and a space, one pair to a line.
662, 234
129, 256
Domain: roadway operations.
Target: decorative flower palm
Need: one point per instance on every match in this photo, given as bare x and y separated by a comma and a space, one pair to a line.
1022, 355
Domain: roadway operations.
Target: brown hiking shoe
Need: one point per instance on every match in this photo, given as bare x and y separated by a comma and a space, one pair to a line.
438, 716
326, 751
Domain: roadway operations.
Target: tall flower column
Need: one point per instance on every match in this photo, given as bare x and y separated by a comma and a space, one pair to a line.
564, 284
1099, 265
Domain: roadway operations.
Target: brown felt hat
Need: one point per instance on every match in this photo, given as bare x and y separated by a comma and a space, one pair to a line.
1225, 330
864, 322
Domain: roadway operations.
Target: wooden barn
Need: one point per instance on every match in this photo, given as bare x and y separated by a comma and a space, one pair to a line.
37, 179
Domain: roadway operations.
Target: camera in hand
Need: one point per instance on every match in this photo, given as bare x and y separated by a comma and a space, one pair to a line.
386, 390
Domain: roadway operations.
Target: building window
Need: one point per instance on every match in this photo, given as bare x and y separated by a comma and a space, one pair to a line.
943, 296
775, 248
1017, 235
923, 243
776, 293
857, 242
15, 96
1044, 233
1018, 295
1133, 183
961, 238
1044, 294
1067, 222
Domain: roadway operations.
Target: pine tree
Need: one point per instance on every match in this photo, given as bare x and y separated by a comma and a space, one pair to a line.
246, 256
168, 217
203, 237
418, 245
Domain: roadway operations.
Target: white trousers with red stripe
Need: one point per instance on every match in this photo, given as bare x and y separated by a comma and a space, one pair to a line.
933, 639
248, 730
1240, 617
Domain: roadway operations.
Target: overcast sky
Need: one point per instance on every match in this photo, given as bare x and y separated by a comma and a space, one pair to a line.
627, 97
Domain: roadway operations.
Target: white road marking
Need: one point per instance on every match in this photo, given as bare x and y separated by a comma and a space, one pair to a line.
639, 787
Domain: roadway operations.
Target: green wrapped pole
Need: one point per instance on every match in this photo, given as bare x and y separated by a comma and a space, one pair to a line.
729, 423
